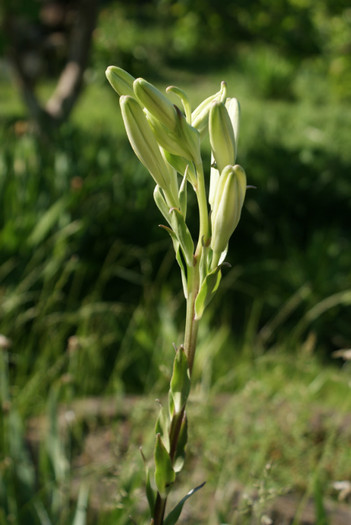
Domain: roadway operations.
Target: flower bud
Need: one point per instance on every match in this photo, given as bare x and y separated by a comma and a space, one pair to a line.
190, 137
228, 203
120, 80
221, 135
143, 141
155, 102
214, 180
233, 107
183, 97
199, 117
183, 141
168, 140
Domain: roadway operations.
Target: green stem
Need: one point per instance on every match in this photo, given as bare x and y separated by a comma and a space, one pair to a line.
190, 338
191, 323
160, 508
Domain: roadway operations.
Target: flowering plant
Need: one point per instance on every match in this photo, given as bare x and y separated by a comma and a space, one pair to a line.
167, 138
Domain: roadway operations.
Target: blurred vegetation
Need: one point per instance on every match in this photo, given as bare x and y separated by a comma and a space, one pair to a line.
90, 297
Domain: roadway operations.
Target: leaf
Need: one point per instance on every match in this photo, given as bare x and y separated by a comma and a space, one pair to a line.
161, 203
183, 234
182, 441
47, 222
150, 494
173, 516
183, 194
180, 381
162, 427
178, 257
80, 517
207, 291
164, 473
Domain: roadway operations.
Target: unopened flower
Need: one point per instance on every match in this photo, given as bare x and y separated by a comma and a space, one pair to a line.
221, 135
233, 107
155, 102
199, 117
143, 141
120, 80
227, 207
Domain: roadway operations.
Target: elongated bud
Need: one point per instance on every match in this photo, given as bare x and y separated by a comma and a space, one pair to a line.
155, 102
233, 107
120, 80
199, 117
221, 135
183, 97
183, 142
168, 140
228, 203
214, 180
190, 137
143, 141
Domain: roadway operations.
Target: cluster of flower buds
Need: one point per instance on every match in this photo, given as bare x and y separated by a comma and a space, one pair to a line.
166, 139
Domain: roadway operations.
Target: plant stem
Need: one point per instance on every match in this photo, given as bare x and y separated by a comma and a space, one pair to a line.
190, 338
191, 324
160, 508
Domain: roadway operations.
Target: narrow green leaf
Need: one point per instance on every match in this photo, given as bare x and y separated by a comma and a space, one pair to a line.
182, 270
178, 257
80, 517
182, 441
183, 194
161, 203
173, 516
47, 221
162, 427
150, 493
183, 234
207, 291
180, 381
164, 473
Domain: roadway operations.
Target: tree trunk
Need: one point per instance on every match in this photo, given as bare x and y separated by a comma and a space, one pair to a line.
48, 117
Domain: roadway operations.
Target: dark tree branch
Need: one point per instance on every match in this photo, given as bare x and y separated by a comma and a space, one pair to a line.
58, 108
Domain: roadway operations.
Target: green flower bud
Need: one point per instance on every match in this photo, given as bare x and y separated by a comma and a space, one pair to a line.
143, 141
199, 117
155, 102
120, 80
228, 203
183, 141
190, 137
183, 97
233, 107
168, 140
214, 179
221, 135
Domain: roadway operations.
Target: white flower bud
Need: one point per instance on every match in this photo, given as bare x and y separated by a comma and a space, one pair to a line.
120, 80
155, 102
227, 207
199, 117
221, 135
233, 107
143, 141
